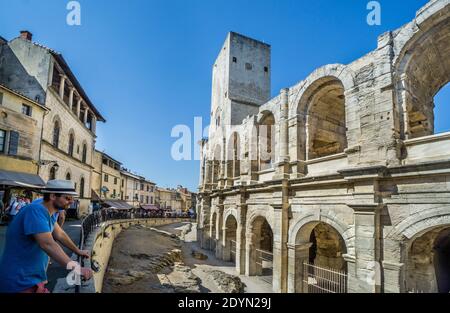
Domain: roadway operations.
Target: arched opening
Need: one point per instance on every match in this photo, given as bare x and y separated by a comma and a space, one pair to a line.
324, 105
213, 232
428, 262
84, 154
53, 170
229, 252
442, 110
68, 176
319, 263
266, 142
422, 71
82, 188
71, 144
261, 251
56, 131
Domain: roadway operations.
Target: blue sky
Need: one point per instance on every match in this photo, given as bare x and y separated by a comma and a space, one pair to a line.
147, 64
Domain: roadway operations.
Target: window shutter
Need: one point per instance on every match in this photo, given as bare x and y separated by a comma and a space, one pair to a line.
13, 143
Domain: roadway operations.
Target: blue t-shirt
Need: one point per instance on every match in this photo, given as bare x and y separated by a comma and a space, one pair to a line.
24, 263
54, 216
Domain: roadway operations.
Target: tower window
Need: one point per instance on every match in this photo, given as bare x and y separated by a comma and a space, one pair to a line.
234, 60
266, 69
248, 66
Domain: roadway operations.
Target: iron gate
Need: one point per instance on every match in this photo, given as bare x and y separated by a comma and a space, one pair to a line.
319, 279
233, 250
264, 259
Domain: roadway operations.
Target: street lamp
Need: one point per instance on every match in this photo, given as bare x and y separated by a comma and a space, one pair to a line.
46, 162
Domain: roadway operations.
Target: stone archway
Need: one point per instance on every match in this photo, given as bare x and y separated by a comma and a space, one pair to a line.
260, 249
428, 262
317, 259
230, 239
421, 71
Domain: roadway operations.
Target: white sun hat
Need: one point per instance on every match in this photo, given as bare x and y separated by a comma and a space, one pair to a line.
65, 187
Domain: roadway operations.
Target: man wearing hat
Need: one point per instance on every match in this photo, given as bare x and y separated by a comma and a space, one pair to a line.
30, 241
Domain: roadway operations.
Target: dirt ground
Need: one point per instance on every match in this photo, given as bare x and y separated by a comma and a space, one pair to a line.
145, 260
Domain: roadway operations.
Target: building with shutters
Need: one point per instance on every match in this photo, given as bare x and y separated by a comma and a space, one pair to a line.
21, 122
69, 129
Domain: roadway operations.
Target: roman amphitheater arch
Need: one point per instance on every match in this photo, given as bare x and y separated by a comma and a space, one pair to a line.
321, 243
422, 69
424, 241
318, 109
259, 247
230, 236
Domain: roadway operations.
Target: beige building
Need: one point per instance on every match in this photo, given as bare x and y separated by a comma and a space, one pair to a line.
68, 138
21, 122
106, 176
146, 192
339, 183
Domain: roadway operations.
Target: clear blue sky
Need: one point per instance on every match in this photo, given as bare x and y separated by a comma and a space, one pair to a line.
147, 64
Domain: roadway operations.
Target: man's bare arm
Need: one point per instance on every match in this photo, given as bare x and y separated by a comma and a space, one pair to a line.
60, 235
52, 248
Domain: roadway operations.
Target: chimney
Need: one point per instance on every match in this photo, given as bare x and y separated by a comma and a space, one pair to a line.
25, 34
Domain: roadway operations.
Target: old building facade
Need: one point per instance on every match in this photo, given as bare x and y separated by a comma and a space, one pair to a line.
341, 173
106, 176
21, 122
69, 129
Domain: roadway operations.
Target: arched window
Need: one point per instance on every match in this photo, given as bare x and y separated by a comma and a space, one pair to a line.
266, 142
68, 176
323, 105
421, 74
53, 171
442, 110
56, 131
71, 144
84, 154
82, 188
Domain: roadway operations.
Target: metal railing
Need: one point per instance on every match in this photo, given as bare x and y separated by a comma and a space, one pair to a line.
94, 220
264, 259
319, 279
233, 250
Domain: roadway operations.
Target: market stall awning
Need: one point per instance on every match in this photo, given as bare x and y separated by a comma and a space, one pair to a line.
94, 196
24, 180
118, 204
150, 207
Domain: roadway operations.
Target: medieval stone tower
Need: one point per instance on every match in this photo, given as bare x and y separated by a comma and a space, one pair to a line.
241, 80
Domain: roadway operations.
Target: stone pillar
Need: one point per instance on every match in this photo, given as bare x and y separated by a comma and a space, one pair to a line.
62, 85
250, 254
72, 90
282, 169
219, 233
393, 277
94, 124
240, 234
205, 233
394, 256
79, 108
368, 267
297, 254
85, 115
280, 233
223, 165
